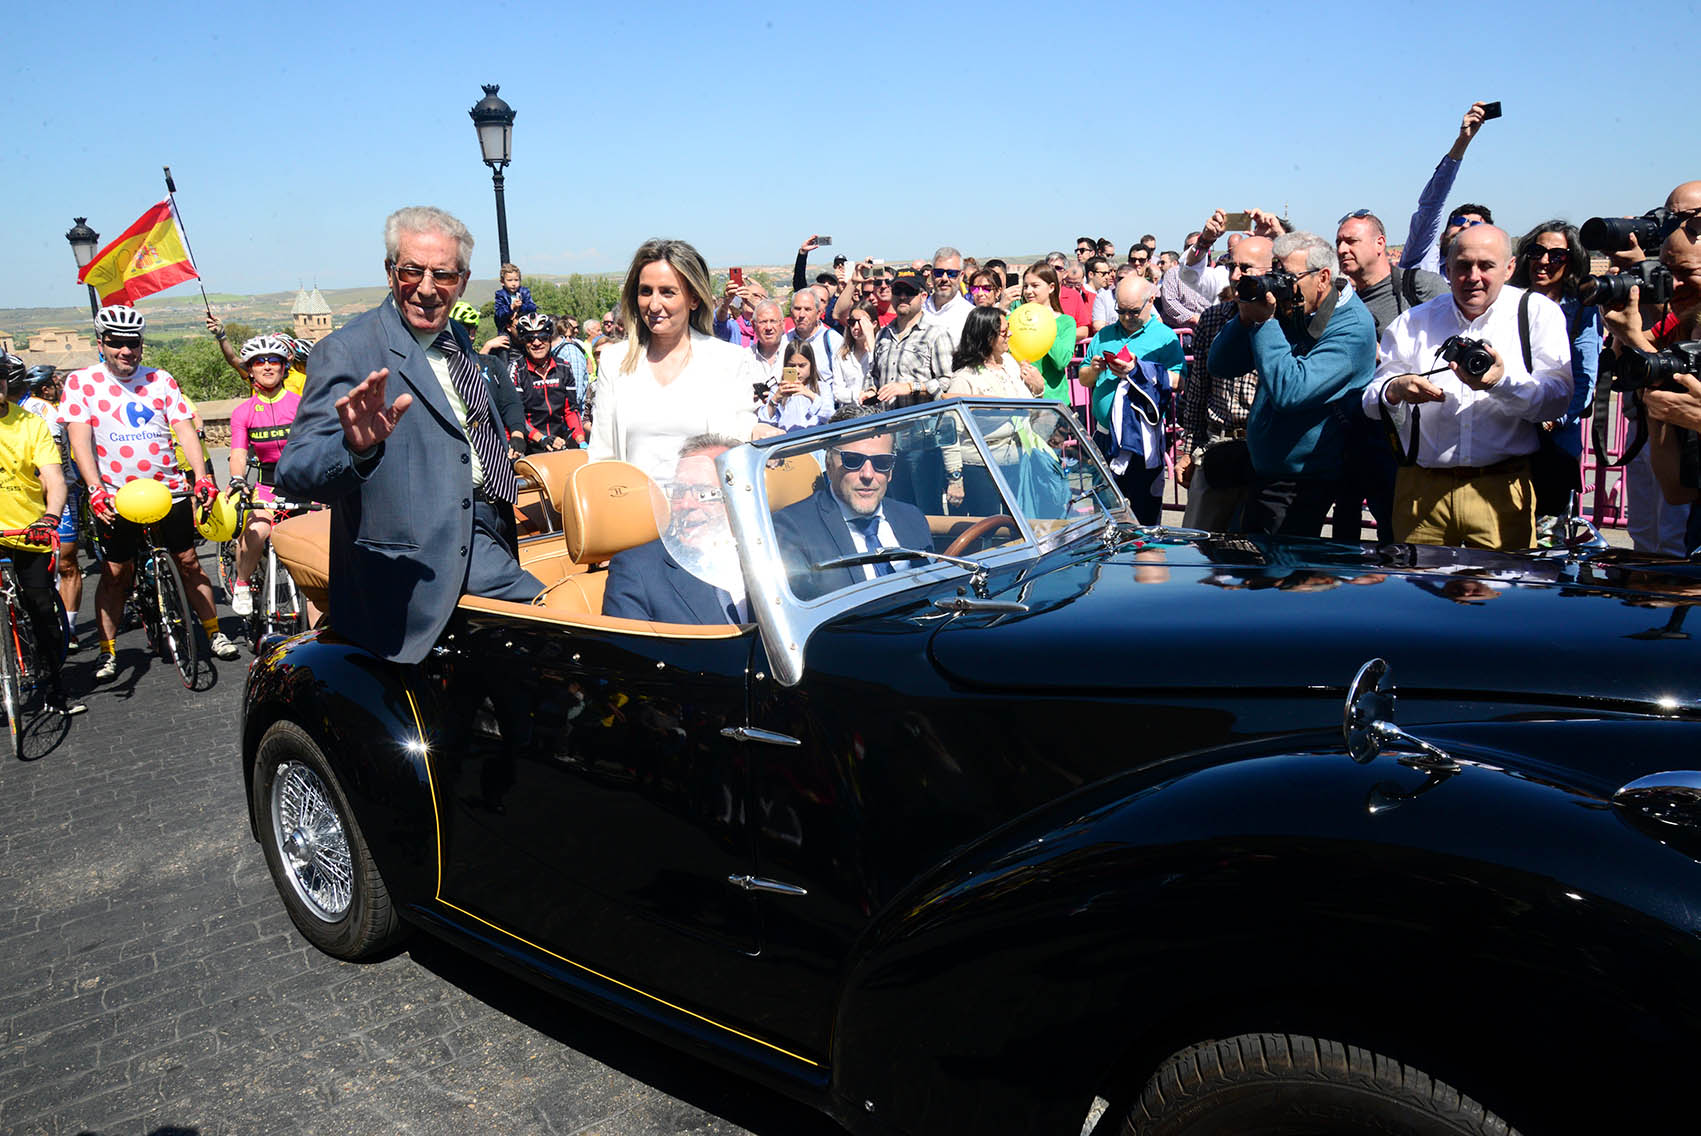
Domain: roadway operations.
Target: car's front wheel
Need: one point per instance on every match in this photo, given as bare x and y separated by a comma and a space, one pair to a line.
314, 848
1270, 1084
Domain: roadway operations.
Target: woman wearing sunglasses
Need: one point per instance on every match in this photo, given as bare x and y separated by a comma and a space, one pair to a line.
260, 424
1552, 263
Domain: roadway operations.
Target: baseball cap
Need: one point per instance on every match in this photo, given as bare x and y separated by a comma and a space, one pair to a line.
909, 278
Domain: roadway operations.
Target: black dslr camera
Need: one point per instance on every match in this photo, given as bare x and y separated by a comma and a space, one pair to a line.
1652, 277
1640, 370
1279, 282
1472, 355
1612, 234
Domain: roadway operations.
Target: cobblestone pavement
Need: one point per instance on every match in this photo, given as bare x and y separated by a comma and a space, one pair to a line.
150, 981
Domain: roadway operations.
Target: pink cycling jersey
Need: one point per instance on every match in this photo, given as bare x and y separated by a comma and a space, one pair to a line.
261, 427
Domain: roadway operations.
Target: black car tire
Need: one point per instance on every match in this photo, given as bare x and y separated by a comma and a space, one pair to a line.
1274, 1083
321, 866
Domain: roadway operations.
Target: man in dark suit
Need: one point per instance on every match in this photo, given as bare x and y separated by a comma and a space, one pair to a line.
421, 503
648, 582
847, 515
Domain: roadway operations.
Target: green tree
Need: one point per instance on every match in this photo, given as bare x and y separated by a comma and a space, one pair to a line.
198, 366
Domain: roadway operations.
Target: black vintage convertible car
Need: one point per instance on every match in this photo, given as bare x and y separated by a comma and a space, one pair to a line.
1057, 824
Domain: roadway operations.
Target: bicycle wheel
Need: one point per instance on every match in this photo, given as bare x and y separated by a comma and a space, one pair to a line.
255, 624
11, 698
227, 568
176, 624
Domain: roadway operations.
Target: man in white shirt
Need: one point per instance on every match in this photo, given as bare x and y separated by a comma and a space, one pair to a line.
1472, 435
822, 340
769, 323
945, 304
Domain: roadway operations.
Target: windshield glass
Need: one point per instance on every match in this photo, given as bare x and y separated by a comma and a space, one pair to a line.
926, 484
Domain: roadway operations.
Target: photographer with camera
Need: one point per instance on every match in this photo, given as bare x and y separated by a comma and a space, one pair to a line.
1468, 378
1313, 344
1660, 519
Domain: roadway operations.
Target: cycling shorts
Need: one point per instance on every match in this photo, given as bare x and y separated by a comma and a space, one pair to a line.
120, 539
71, 516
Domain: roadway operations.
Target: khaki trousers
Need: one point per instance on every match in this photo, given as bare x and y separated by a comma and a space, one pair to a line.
1478, 507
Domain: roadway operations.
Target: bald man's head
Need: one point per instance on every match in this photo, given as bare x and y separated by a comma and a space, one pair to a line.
1479, 263
1134, 301
1686, 198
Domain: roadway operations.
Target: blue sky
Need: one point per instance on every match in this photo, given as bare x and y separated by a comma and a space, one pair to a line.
996, 127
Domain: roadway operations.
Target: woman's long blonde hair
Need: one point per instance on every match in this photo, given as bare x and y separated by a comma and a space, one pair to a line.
689, 264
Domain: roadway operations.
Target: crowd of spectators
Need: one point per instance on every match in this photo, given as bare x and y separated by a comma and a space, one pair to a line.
1294, 375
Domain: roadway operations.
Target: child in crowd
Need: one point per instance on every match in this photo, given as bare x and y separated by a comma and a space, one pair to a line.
797, 400
512, 299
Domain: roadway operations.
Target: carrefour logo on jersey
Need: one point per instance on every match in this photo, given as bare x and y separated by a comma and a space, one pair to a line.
136, 414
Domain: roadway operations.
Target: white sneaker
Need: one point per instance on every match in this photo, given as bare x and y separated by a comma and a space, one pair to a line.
242, 599
221, 645
108, 668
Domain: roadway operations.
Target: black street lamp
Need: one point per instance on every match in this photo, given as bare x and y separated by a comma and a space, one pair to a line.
494, 120
84, 242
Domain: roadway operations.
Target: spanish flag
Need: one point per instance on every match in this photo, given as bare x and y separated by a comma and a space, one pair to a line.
147, 257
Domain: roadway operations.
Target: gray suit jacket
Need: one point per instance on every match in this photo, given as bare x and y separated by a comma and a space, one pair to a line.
401, 523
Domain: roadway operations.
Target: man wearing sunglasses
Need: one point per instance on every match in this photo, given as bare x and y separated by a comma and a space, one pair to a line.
546, 386
848, 513
945, 304
691, 573
422, 497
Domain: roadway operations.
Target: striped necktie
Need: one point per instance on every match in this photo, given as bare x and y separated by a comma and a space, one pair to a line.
486, 439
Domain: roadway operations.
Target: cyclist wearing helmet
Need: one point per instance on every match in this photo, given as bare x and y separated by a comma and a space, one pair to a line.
43, 401
259, 425
32, 494
545, 385
122, 418
295, 353
503, 395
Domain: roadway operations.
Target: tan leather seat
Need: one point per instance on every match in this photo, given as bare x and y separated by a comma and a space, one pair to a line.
791, 481
303, 544
539, 510
607, 507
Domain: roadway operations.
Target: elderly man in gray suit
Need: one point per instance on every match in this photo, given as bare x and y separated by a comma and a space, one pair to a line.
422, 499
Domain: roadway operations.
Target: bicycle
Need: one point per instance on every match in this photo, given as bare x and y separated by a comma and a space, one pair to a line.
20, 666
279, 608
160, 601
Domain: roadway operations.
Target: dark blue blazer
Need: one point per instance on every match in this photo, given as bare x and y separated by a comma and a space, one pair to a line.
814, 530
401, 525
648, 583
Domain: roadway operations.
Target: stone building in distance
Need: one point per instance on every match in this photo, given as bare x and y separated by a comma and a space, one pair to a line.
312, 316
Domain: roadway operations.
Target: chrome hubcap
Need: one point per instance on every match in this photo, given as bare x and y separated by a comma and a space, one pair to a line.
311, 841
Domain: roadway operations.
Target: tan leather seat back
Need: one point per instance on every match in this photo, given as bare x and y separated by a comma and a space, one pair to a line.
610, 506
550, 472
790, 481
303, 544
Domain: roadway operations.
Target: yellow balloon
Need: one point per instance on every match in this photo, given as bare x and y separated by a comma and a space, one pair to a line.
219, 523
1033, 329
143, 501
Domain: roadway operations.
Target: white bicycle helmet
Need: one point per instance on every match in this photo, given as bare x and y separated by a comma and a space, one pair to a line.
266, 345
119, 319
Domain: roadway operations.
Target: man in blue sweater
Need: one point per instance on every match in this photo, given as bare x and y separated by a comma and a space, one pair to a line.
1313, 344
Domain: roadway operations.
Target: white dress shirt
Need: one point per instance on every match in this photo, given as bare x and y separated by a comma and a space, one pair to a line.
1471, 427
638, 420
888, 538
951, 317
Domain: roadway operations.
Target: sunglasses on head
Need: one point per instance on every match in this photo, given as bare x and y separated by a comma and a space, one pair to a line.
852, 461
1355, 215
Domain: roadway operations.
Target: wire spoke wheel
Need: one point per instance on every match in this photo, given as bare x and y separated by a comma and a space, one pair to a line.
315, 850
227, 568
176, 638
311, 841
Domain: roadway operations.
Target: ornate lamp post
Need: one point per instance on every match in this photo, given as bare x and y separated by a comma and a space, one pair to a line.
494, 120
84, 243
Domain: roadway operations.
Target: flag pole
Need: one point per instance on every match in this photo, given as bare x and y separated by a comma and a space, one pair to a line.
171, 195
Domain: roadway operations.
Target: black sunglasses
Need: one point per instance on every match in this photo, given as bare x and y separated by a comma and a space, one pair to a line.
1356, 214
853, 461
1551, 255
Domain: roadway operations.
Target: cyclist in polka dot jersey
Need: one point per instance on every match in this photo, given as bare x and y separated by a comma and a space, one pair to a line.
122, 419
